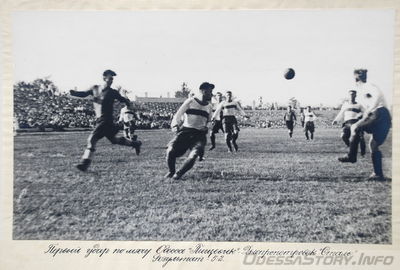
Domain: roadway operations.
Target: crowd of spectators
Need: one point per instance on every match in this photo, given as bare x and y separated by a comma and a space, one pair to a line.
40, 105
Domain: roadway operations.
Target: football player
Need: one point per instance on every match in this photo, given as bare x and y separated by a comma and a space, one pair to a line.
228, 107
127, 118
103, 101
309, 118
217, 122
375, 121
351, 112
191, 126
290, 120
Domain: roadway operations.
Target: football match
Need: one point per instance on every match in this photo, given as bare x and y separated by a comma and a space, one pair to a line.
295, 149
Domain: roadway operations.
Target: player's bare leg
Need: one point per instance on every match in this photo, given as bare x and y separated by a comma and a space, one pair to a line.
228, 138
87, 156
235, 136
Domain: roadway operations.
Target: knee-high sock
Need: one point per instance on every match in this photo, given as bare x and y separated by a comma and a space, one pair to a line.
377, 162
124, 141
212, 139
171, 161
307, 135
88, 154
228, 141
346, 140
362, 145
312, 135
353, 148
187, 165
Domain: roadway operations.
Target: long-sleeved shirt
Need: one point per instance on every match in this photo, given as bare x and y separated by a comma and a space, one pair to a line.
103, 100
370, 96
193, 114
309, 116
228, 108
350, 111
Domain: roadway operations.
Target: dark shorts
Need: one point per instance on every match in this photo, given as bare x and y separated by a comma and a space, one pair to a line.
103, 129
216, 126
378, 123
188, 138
346, 127
309, 126
230, 124
289, 125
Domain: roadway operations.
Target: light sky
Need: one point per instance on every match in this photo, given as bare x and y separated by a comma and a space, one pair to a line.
242, 51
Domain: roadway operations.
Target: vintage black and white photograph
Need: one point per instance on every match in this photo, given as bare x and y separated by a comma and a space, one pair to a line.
189, 125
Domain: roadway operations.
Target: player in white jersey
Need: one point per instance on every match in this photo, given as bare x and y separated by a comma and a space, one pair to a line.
127, 118
375, 121
228, 108
350, 113
217, 122
191, 126
309, 118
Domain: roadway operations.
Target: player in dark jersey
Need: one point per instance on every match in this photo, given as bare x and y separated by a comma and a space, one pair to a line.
290, 119
190, 124
103, 101
216, 123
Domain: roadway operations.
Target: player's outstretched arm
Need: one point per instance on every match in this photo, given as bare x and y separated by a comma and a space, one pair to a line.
81, 94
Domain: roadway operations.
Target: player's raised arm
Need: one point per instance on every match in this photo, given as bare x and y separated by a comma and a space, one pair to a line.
81, 94
177, 119
240, 109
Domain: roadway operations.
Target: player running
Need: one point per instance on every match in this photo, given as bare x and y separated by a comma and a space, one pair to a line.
290, 120
309, 118
229, 122
103, 101
190, 124
127, 118
217, 122
351, 112
302, 117
375, 121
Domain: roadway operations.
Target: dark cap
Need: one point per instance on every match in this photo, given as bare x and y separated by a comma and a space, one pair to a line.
230, 92
352, 91
360, 70
109, 72
218, 93
206, 86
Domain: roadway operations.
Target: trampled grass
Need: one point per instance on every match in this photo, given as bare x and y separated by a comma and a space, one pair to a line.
274, 189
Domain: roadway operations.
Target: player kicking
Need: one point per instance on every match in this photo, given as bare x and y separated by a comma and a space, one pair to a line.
375, 121
127, 118
190, 124
103, 101
351, 112
290, 120
229, 122
309, 118
216, 123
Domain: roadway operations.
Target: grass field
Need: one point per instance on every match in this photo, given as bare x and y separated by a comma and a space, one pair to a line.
274, 189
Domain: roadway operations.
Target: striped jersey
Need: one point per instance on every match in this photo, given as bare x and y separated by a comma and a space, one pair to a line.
370, 96
309, 116
289, 116
126, 115
193, 114
228, 108
350, 111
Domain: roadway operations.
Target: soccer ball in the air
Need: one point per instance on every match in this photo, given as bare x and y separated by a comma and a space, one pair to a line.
289, 74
